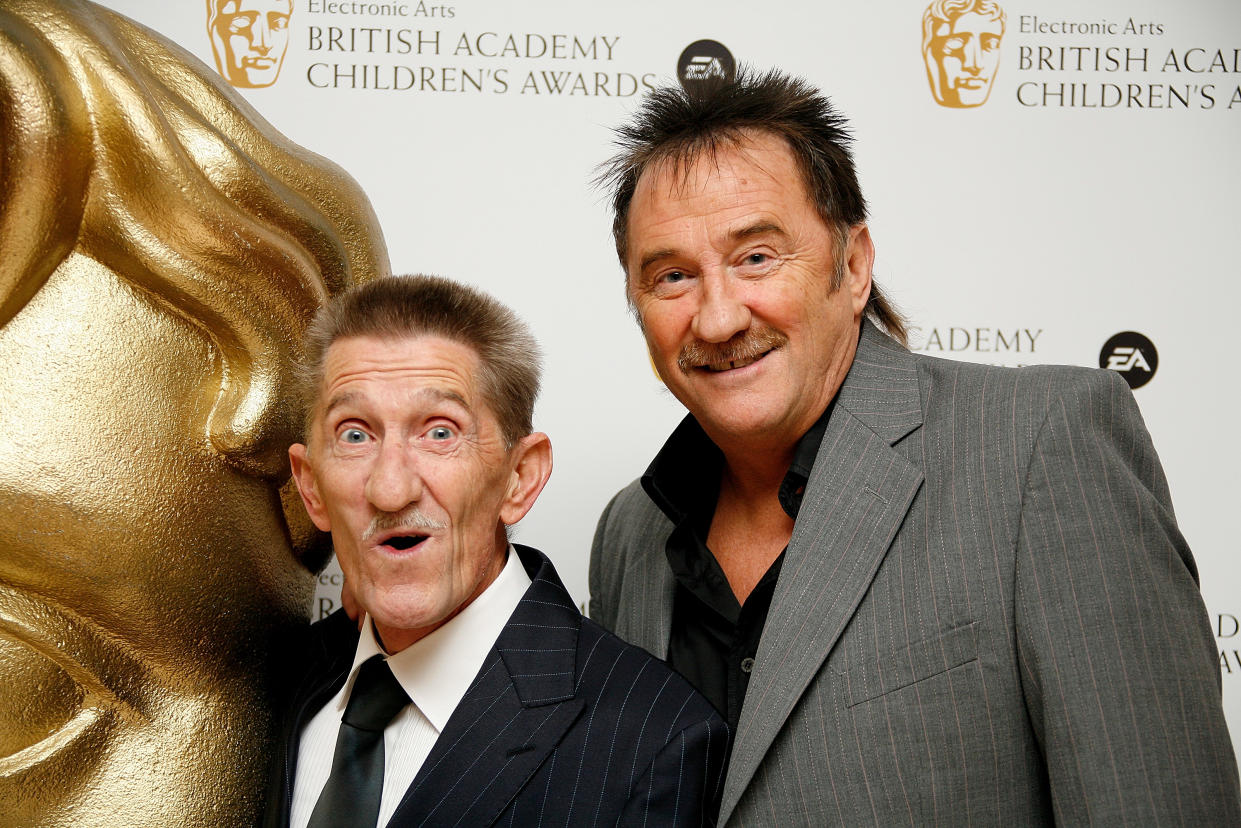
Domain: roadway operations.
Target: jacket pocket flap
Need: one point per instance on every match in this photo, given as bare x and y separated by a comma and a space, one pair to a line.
912, 663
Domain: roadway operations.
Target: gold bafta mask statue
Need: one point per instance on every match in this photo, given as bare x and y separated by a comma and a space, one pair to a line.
249, 39
961, 49
162, 250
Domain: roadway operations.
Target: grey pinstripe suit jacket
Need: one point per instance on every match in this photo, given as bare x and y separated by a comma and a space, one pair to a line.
986, 614
565, 725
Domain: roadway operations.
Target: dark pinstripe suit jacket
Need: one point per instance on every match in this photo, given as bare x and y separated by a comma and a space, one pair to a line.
986, 614
564, 725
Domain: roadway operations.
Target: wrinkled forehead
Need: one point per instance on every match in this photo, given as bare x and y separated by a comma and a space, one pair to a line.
428, 366
684, 169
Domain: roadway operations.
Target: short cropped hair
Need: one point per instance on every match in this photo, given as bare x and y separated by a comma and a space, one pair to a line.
404, 307
679, 125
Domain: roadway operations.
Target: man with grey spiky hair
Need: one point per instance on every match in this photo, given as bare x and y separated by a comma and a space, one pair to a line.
922, 592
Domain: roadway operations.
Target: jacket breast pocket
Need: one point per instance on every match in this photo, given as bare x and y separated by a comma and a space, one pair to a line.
910, 664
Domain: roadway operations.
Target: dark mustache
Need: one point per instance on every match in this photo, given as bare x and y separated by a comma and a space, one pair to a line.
744, 346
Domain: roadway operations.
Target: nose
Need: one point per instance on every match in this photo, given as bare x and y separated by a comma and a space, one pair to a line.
260, 35
394, 481
971, 57
722, 312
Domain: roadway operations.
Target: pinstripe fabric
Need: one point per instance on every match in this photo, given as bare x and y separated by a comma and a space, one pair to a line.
986, 614
565, 725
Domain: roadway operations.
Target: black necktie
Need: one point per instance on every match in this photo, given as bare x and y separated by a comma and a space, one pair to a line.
351, 796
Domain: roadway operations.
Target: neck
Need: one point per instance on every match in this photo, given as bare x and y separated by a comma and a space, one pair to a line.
755, 475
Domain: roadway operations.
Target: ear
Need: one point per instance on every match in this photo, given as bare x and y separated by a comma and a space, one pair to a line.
859, 261
307, 487
532, 466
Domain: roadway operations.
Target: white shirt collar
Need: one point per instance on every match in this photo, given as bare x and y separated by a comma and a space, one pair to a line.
437, 670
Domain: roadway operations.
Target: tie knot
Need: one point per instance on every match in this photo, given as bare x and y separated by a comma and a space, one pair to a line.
376, 698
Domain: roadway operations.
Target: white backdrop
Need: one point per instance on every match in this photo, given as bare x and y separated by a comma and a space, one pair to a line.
1097, 191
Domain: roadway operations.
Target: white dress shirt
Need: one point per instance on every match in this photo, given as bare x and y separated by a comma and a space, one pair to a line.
435, 671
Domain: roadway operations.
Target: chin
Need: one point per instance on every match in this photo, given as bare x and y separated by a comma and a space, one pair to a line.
398, 609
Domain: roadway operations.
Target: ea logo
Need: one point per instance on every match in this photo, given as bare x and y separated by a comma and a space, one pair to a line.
1132, 355
705, 60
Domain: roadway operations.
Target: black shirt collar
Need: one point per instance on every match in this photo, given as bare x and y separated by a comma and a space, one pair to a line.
683, 479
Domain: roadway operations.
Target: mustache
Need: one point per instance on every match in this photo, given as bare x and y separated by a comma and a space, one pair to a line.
411, 519
746, 345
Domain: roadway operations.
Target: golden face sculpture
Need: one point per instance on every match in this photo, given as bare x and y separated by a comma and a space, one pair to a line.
163, 248
961, 50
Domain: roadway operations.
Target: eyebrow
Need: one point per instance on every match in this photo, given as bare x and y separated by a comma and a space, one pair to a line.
337, 401
759, 228
434, 395
655, 256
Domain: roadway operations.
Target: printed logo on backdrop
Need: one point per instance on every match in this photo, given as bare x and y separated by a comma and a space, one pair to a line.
1074, 61
249, 39
1132, 355
961, 50
1011, 346
1226, 629
419, 47
705, 60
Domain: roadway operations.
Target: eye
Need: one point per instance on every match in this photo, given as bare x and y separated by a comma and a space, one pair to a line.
954, 44
353, 436
441, 433
240, 23
666, 284
757, 262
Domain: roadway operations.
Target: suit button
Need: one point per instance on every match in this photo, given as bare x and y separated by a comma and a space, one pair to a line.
747, 664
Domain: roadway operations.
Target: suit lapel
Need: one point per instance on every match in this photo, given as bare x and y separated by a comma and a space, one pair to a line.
856, 499
646, 620
514, 714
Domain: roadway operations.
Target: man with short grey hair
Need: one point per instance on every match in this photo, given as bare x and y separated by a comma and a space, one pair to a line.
475, 693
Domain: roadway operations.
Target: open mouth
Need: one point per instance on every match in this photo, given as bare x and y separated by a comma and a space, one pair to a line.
402, 543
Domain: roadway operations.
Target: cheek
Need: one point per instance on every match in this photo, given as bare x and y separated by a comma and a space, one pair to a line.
664, 328
344, 497
662, 353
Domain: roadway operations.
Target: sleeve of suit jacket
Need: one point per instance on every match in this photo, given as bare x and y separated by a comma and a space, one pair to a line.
1118, 664
682, 785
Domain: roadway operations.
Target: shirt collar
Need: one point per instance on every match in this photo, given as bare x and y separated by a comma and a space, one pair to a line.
437, 670
793, 487
683, 479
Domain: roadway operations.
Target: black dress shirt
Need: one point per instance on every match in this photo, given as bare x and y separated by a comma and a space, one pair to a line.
714, 638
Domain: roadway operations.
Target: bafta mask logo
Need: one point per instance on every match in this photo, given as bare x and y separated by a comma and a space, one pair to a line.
249, 39
961, 50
